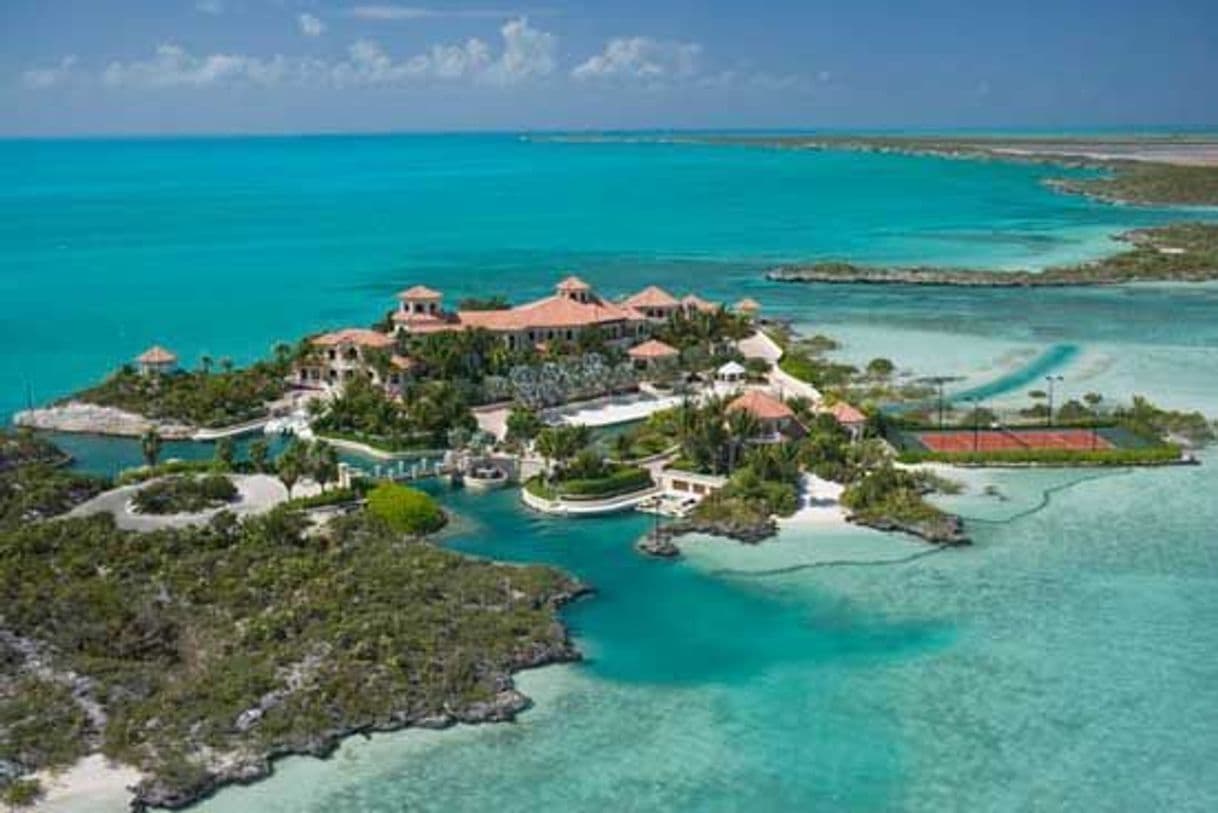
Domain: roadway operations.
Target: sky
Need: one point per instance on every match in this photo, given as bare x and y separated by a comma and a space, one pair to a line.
85, 67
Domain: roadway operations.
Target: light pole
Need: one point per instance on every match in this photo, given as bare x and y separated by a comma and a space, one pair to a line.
976, 419
1052, 379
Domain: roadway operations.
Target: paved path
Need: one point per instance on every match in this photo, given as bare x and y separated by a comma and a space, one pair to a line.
257, 493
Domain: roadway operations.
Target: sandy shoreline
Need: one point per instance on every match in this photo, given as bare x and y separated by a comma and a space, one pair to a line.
93, 784
820, 505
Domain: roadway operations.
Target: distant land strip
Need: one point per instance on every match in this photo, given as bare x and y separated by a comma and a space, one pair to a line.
1182, 252
1179, 170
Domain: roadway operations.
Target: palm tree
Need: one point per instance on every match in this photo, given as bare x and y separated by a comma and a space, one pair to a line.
226, 364
742, 426
1093, 400
324, 463
225, 453
292, 464
260, 451
205, 362
150, 445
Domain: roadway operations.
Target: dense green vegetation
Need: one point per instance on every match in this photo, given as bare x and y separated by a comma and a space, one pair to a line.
185, 495
404, 509
423, 419
38, 491
253, 637
1145, 182
202, 397
579, 470
23, 447
888, 495
1145, 419
496, 302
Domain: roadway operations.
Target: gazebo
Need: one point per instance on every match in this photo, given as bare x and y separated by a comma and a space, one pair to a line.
731, 373
652, 353
156, 360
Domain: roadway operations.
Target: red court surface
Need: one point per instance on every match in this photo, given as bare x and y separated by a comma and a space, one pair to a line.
998, 440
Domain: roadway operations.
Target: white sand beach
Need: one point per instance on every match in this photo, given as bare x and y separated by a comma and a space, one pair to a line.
93, 784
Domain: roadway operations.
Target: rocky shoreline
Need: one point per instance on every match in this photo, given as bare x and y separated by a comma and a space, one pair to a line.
247, 768
948, 532
78, 417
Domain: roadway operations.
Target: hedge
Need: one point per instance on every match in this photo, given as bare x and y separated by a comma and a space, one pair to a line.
619, 481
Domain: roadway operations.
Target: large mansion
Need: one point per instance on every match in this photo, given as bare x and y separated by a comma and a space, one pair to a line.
572, 309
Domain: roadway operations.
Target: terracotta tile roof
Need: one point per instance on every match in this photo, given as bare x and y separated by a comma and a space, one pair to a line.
422, 320
573, 283
653, 349
748, 304
156, 355
353, 335
762, 406
401, 362
551, 312
698, 303
652, 296
420, 292
845, 413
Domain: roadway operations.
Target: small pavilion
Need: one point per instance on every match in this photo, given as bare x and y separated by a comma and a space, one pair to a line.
156, 360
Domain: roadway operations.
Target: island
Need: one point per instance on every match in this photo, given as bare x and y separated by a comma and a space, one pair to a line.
1182, 252
198, 655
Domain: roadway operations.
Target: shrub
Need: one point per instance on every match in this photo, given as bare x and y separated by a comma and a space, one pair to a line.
185, 495
405, 509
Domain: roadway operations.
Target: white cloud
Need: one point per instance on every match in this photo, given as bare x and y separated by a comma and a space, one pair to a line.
393, 12
39, 78
642, 59
173, 66
310, 26
527, 53
210, 6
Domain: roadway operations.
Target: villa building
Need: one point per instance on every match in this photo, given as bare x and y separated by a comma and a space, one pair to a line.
156, 360
777, 420
342, 355
573, 309
655, 303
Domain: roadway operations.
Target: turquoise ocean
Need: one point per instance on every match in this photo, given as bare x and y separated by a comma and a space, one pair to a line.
1065, 661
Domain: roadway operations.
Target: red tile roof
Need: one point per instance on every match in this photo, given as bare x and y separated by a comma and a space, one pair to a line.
156, 355
421, 292
698, 303
748, 304
401, 362
652, 296
552, 312
762, 406
353, 335
846, 414
653, 349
